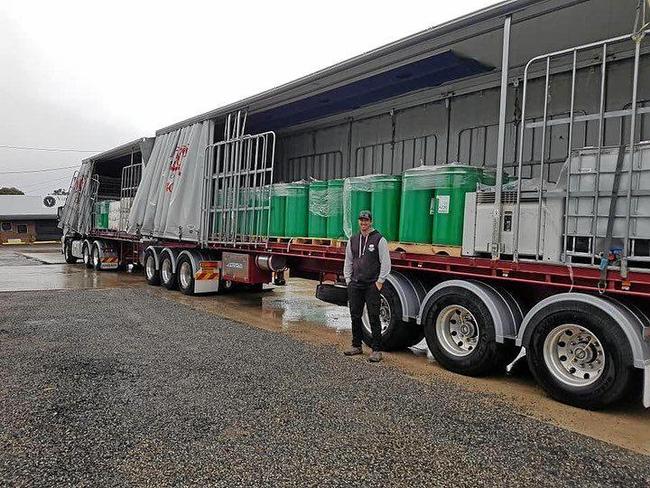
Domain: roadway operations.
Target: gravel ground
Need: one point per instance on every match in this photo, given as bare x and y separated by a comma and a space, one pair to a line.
120, 387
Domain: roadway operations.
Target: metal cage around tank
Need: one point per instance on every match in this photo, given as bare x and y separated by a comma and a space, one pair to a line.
576, 58
237, 186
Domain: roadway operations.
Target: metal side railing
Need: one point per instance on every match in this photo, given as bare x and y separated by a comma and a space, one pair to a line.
575, 58
238, 186
131, 177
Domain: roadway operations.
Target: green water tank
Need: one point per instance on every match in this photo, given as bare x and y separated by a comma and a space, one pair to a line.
416, 219
278, 210
98, 215
452, 182
385, 202
101, 214
356, 198
335, 215
297, 209
318, 209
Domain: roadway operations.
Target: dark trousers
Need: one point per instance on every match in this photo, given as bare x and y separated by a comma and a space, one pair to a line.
358, 296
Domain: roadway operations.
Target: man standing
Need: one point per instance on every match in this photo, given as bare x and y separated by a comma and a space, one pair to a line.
367, 265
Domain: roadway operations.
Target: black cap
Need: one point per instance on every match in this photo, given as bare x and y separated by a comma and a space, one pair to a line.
365, 214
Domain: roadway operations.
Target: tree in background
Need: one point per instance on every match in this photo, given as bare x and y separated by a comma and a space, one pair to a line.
60, 191
10, 190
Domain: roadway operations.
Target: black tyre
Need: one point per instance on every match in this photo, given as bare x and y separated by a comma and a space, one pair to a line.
150, 272
395, 333
185, 275
69, 258
579, 355
96, 259
167, 275
87, 256
460, 333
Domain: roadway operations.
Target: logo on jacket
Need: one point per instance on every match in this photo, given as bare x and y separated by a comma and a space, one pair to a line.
371, 247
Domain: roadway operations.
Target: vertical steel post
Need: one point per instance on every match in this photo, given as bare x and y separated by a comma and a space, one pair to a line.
635, 84
540, 191
570, 144
601, 142
520, 159
496, 218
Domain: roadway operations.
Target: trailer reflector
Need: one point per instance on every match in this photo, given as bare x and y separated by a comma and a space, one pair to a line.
206, 275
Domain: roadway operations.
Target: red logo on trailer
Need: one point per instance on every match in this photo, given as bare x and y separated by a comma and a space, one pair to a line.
175, 166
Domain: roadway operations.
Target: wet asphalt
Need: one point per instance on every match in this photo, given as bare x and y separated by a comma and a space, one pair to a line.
121, 387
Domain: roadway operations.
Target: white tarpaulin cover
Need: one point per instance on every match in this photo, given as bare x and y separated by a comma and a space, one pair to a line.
168, 201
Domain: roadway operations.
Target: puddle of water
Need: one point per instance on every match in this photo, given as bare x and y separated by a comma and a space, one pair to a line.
62, 277
46, 257
291, 305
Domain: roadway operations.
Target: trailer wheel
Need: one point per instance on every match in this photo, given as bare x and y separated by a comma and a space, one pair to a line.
69, 258
185, 275
87, 258
460, 333
395, 333
580, 355
96, 259
167, 275
150, 271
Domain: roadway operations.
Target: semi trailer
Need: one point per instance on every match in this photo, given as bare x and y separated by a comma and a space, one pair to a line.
505, 153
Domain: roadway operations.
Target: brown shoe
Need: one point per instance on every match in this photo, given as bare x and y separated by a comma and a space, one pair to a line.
353, 351
375, 357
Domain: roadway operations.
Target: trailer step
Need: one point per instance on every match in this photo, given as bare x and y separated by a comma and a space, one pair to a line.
430, 249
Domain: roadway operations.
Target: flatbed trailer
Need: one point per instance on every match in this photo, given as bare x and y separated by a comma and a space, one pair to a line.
578, 311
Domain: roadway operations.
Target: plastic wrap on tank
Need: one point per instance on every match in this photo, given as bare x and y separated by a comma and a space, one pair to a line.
335, 202
319, 209
356, 197
319, 199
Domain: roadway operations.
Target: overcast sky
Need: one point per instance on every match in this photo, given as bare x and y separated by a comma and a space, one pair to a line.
92, 75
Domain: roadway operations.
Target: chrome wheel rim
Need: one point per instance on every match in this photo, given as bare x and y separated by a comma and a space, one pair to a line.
574, 355
150, 267
86, 255
166, 270
96, 260
185, 274
385, 314
457, 330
